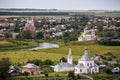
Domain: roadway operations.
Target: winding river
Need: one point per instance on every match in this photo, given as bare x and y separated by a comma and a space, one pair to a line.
45, 45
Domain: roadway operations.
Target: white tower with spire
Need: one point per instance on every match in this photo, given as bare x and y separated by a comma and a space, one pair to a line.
69, 60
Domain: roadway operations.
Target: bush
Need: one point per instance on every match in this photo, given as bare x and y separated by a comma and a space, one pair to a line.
48, 62
25, 73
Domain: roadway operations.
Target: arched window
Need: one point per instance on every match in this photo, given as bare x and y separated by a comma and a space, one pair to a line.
87, 64
95, 69
80, 70
87, 70
76, 70
90, 64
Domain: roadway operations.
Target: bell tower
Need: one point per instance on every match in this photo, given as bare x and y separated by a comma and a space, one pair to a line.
69, 60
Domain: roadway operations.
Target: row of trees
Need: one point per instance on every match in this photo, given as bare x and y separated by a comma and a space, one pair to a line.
33, 13
4, 67
40, 62
30, 35
109, 43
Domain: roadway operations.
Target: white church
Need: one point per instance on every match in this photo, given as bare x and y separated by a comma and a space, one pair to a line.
85, 64
87, 35
65, 66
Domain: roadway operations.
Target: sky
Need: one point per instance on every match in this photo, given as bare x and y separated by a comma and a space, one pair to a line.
62, 4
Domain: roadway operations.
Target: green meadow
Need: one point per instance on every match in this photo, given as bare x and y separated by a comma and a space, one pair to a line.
22, 56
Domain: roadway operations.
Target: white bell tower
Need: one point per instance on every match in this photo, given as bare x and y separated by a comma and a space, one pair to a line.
69, 60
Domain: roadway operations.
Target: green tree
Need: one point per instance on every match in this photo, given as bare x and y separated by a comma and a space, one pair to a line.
48, 62
25, 73
4, 67
7, 35
36, 61
39, 35
71, 75
63, 59
27, 34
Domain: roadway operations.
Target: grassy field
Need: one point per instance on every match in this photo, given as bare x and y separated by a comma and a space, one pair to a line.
55, 54
9, 44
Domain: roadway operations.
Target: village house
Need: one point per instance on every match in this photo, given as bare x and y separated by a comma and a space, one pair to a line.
13, 72
115, 70
97, 59
32, 69
2, 36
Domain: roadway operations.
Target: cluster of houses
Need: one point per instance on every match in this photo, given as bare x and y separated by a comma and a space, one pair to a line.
56, 26
44, 24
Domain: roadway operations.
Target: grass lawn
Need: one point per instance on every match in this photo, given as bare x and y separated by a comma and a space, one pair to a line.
103, 76
55, 54
10, 44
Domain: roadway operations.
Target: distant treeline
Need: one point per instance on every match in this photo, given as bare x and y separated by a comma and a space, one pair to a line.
109, 43
33, 13
24, 9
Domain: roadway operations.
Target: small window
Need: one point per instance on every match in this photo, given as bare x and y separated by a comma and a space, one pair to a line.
80, 70
76, 70
95, 69
87, 70
88, 64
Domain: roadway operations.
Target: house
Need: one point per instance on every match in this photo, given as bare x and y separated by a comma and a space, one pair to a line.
13, 72
14, 35
112, 62
32, 69
87, 35
115, 70
102, 65
6, 24
57, 34
2, 36
86, 64
65, 66
97, 59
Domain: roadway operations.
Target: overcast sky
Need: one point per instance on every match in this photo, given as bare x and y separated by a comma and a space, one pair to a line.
62, 4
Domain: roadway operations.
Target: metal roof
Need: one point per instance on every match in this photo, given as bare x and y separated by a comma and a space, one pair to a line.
30, 65
80, 65
85, 57
64, 65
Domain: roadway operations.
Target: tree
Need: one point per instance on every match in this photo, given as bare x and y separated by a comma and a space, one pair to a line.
4, 67
71, 75
48, 62
63, 59
25, 73
27, 34
36, 62
7, 35
39, 35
